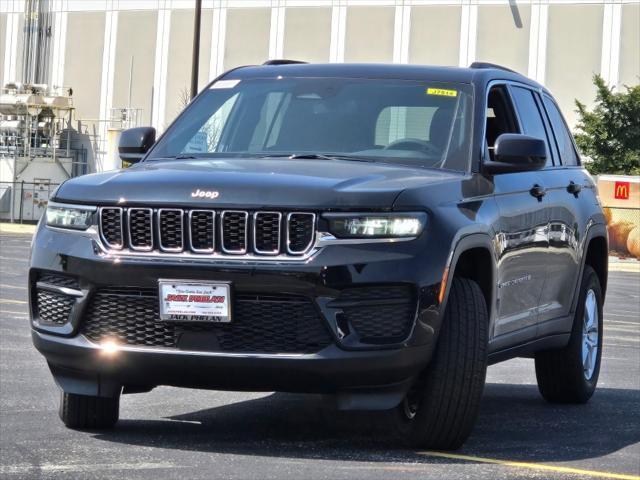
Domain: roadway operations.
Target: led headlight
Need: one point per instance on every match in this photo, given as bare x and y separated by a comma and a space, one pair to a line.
77, 217
393, 225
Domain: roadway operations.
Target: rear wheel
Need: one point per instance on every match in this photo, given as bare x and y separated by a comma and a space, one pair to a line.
440, 410
86, 412
570, 375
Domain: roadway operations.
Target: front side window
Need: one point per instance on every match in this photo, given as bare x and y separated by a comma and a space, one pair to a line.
499, 117
424, 124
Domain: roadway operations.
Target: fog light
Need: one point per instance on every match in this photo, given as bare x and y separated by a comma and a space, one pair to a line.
109, 347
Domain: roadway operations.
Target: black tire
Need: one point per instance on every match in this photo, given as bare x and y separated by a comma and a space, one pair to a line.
441, 409
85, 412
560, 373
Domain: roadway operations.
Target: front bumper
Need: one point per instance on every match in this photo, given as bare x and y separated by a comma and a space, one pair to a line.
348, 364
369, 379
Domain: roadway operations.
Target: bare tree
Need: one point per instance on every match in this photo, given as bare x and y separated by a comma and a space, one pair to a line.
184, 98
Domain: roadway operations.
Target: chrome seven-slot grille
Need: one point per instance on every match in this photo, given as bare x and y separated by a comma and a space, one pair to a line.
232, 232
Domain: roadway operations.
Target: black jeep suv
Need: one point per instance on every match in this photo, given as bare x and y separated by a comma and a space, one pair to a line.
380, 233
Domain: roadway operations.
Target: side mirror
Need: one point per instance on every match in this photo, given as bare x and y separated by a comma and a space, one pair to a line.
517, 153
135, 142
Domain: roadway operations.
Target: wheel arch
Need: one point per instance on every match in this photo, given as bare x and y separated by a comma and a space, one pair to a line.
596, 255
473, 258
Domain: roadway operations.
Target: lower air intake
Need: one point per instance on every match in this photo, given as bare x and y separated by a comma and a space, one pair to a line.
260, 324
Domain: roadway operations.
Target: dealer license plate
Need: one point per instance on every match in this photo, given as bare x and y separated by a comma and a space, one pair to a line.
184, 301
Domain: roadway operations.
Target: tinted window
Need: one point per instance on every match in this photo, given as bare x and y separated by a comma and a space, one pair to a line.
500, 117
396, 123
563, 137
405, 122
530, 116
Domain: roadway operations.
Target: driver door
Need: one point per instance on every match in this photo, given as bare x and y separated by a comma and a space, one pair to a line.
522, 230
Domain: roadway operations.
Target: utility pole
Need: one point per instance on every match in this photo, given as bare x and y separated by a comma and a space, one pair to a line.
195, 61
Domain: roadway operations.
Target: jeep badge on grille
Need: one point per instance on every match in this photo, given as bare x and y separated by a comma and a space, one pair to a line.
205, 194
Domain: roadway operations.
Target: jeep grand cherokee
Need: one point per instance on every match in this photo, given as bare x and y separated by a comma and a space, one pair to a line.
379, 233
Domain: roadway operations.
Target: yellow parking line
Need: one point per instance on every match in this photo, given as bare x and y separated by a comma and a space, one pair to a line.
16, 259
18, 302
12, 286
532, 466
24, 314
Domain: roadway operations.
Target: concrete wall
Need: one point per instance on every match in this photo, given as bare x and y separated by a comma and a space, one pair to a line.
629, 45
3, 37
247, 40
503, 35
435, 35
369, 34
179, 58
307, 34
574, 50
135, 28
83, 68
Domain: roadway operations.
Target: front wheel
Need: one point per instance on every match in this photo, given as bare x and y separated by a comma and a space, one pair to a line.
87, 412
570, 375
441, 409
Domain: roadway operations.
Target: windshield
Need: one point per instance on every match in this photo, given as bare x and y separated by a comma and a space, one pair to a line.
394, 121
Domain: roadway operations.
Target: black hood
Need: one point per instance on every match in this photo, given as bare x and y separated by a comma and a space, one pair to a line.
251, 183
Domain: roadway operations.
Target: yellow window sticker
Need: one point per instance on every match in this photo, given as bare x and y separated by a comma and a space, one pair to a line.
442, 92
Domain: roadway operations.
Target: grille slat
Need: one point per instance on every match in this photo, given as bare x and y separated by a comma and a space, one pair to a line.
234, 231
300, 232
266, 232
170, 230
202, 230
111, 226
175, 230
141, 229
260, 324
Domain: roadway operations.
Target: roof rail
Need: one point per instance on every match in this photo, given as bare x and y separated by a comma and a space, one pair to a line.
491, 65
282, 61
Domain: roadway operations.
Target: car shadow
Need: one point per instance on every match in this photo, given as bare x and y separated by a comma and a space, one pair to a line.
514, 423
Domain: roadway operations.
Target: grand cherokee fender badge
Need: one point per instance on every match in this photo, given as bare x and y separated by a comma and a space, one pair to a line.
205, 194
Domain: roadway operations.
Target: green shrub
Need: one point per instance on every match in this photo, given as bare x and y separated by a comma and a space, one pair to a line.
610, 133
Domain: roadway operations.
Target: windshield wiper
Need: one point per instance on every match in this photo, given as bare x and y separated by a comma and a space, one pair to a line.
317, 156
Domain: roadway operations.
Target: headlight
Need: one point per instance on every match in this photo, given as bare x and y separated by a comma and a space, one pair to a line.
77, 217
393, 225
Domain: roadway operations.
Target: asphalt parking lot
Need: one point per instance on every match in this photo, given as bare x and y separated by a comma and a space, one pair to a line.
190, 434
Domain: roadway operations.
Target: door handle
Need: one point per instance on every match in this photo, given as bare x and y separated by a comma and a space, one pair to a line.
574, 188
538, 191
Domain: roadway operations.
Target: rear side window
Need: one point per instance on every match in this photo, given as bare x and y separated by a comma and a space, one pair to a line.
530, 116
568, 153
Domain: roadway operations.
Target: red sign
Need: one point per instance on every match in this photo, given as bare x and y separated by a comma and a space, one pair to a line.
621, 190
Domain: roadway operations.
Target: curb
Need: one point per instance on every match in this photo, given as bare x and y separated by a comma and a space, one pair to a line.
17, 228
624, 267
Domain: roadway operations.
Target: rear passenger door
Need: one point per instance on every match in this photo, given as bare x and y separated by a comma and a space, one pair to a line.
567, 188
